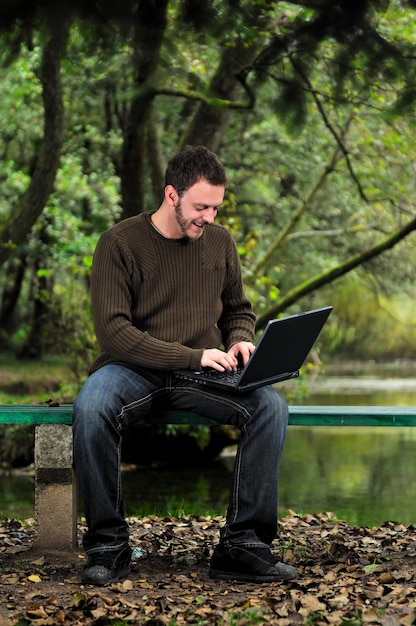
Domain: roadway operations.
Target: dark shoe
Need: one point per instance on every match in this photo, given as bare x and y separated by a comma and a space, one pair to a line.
107, 567
248, 564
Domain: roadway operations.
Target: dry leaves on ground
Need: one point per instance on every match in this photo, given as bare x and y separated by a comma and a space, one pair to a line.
347, 576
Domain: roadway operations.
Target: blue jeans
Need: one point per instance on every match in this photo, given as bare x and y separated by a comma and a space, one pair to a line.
116, 395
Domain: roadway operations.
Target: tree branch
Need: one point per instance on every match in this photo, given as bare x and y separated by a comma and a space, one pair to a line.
338, 138
325, 278
296, 216
211, 101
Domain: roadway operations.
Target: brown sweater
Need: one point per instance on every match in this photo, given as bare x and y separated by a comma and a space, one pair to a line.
160, 302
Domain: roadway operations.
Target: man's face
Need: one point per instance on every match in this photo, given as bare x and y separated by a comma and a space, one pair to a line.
198, 207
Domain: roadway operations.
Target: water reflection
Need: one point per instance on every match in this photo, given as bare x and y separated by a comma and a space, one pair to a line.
366, 390
177, 491
17, 496
364, 475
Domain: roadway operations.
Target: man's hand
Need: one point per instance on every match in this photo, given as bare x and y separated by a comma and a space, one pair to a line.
219, 360
243, 349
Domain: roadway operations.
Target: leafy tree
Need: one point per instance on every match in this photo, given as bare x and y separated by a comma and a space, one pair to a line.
303, 101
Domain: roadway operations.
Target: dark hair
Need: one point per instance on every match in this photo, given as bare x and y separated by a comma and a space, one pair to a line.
191, 164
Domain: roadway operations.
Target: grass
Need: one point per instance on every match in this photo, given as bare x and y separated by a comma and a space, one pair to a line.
51, 364
27, 381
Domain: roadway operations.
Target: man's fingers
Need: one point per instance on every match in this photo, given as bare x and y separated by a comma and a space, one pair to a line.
218, 360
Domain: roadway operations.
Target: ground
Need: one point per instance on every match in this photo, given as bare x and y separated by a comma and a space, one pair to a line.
347, 576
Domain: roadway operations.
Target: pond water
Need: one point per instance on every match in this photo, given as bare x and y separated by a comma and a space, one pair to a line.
363, 475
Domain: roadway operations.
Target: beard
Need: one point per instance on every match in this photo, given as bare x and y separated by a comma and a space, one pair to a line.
184, 224
180, 220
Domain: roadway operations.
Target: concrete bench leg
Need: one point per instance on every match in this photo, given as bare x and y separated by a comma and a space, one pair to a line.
55, 489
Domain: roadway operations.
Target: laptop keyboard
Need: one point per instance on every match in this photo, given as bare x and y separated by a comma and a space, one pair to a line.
229, 377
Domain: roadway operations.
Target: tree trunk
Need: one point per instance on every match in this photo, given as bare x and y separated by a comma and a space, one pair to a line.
24, 215
149, 30
208, 124
15, 274
154, 159
40, 321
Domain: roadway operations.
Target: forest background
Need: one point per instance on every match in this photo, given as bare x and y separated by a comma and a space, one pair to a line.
310, 105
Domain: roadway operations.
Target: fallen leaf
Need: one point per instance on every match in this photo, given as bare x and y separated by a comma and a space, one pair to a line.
34, 578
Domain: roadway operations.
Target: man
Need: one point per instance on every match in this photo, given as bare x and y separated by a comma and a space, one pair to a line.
167, 293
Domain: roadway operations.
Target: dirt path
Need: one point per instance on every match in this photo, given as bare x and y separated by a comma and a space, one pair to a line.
347, 576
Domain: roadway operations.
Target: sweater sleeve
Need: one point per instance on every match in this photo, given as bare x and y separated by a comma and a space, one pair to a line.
111, 297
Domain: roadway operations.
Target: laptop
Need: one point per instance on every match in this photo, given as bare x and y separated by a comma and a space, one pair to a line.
279, 354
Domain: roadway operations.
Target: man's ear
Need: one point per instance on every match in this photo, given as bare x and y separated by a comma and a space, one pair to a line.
171, 195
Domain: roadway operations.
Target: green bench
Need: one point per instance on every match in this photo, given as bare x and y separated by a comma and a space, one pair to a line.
55, 485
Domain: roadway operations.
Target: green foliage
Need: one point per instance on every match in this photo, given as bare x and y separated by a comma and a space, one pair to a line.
352, 621
368, 324
70, 327
247, 617
322, 167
